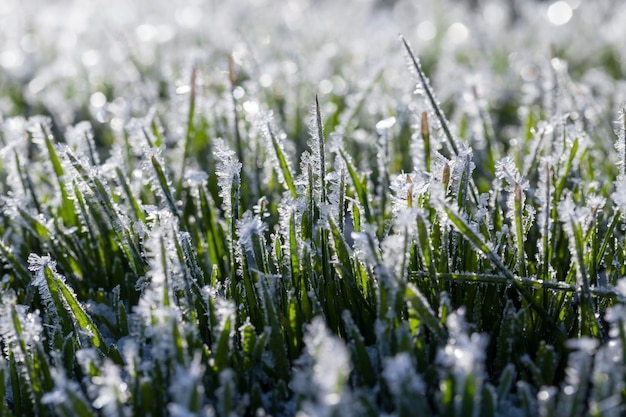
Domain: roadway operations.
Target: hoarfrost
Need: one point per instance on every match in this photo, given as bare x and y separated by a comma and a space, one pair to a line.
228, 171
109, 391
30, 331
400, 376
248, 226
186, 391
464, 354
322, 374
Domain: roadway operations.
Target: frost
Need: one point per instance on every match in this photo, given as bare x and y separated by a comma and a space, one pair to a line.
109, 391
248, 227
574, 217
228, 171
315, 162
463, 353
38, 265
187, 389
620, 143
544, 194
65, 390
14, 150
273, 139
507, 170
227, 393
29, 332
384, 125
322, 374
39, 127
80, 138
400, 376
407, 190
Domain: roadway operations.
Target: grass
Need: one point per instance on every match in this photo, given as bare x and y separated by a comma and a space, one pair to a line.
217, 260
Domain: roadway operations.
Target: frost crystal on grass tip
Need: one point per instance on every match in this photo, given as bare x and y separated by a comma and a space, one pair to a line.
38, 264
366, 245
394, 248
109, 391
39, 127
407, 189
571, 214
507, 170
186, 387
30, 331
228, 171
273, 139
80, 138
463, 354
620, 143
400, 376
248, 226
323, 372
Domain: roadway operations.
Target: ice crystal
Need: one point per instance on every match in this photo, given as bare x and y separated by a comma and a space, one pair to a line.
317, 146
507, 170
228, 171
80, 138
275, 139
573, 215
248, 227
38, 265
14, 152
29, 332
620, 143
407, 190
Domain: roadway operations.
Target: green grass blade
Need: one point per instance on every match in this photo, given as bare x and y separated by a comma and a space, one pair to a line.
417, 302
282, 161
83, 320
431, 96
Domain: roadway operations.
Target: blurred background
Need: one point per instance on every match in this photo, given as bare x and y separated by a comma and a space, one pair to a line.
108, 61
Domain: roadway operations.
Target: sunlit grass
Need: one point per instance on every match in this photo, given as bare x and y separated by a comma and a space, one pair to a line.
222, 254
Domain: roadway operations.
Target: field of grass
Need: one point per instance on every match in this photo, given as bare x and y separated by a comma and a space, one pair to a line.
283, 208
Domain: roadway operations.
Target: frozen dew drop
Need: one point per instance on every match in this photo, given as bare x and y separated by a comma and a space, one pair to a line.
543, 395
90, 58
289, 67
495, 14
28, 43
426, 30
189, 16
145, 32
97, 99
385, 124
165, 33
251, 107
238, 93
117, 124
569, 390
457, 33
529, 72
559, 13
11, 59
183, 89
339, 85
325, 87
68, 40
266, 80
